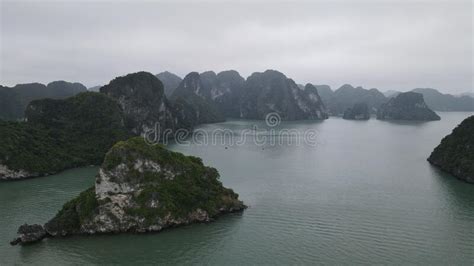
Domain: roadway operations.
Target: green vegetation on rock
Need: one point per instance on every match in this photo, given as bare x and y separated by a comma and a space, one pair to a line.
74, 213
455, 153
61, 134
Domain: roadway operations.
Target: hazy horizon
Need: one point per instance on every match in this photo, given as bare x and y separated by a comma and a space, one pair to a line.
383, 45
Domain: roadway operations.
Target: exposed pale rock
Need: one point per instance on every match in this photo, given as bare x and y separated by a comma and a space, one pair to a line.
10, 174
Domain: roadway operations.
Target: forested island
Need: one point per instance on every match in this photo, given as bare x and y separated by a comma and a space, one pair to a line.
455, 153
140, 188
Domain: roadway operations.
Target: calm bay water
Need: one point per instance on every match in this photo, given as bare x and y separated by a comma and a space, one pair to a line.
364, 194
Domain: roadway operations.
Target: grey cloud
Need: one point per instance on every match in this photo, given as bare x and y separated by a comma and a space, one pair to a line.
388, 45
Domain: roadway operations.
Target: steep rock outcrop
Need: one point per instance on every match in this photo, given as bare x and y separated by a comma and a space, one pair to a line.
271, 91
318, 106
142, 99
142, 188
226, 90
455, 153
407, 106
170, 81
360, 111
193, 95
325, 92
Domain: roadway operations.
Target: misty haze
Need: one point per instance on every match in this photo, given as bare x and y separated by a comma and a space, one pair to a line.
236, 133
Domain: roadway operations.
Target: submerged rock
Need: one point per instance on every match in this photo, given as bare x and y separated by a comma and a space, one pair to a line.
143, 188
360, 111
29, 234
455, 153
407, 106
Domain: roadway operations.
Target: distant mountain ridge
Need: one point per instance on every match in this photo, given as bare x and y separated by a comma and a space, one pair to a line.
13, 100
228, 95
446, 102
347, 96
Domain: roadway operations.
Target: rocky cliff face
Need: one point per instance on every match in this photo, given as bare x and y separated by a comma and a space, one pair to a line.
142, 99
271, 91
360, 111
194, 96
407, 106
318, 107
455, 153
325, 92
142, 188
170, 81
226, 89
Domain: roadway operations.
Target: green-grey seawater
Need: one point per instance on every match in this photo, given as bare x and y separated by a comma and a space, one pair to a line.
365, 194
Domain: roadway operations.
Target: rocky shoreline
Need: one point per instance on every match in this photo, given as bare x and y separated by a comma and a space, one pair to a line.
7, 174
34, 233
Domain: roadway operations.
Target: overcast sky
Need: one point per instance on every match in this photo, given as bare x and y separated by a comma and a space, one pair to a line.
381, 44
